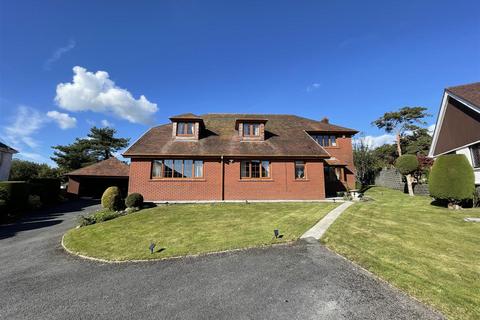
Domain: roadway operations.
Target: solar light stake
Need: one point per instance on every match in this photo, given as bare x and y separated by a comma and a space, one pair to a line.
151, 247
276, 233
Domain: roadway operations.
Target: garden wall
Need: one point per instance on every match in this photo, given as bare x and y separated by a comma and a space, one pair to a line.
392, 179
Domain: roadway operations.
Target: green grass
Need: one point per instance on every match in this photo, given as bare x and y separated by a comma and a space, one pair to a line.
194, 229
427, 251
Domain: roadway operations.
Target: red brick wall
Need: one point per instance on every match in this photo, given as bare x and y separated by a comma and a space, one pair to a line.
344, 152
281, 186
208, 188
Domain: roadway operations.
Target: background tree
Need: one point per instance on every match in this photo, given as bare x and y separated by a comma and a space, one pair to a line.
26, 170
365, 162
100, 145
104, 143
385, 155
404, 120
418, 142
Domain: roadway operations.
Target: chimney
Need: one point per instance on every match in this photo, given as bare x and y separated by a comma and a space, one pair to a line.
324, 120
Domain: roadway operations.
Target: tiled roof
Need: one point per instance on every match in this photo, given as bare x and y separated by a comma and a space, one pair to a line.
112, 167
5, 148
285, 136
469, 92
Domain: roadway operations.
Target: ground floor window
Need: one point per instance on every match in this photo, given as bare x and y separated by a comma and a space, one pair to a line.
255, 169
299, 170
177, 168
475, 151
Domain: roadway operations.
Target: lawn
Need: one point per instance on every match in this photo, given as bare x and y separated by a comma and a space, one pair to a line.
183, 229
427, 251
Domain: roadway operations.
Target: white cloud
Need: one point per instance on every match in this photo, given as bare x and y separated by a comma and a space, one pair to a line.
63, 119
431, 129
314, 86
57, 54
377, 141
31, 156
26, 122
98, 93
106, 123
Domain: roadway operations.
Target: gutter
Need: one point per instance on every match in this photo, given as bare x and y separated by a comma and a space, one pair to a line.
222, 172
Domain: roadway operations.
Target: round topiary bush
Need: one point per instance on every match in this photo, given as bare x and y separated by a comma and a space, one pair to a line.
112, 199
407, 164
452, 179
134, 200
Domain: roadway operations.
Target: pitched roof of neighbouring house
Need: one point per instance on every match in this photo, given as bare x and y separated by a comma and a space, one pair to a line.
5, 148
112, 167
285, 136
469, 92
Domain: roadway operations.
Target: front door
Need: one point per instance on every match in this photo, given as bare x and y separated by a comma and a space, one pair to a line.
334, 180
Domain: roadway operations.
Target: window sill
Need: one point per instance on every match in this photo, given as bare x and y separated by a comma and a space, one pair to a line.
337, 147
255, 180
301, 180
178, 180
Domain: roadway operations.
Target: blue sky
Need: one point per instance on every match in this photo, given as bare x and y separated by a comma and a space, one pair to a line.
348, 60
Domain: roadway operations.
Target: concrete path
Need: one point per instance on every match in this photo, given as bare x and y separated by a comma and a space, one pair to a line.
319, 229
38, 280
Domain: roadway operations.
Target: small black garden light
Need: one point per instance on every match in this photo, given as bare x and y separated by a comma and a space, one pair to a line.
276, 233
151, 247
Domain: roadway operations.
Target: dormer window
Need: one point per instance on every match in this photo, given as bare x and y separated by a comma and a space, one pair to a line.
325, 140
251, 129
185, 128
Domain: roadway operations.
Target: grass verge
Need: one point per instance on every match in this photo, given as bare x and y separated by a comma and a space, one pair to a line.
180, 230
427, 251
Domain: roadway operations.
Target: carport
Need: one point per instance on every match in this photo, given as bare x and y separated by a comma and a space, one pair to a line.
91, 181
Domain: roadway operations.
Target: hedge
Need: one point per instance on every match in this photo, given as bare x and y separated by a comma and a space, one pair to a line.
14, 195
452, 179
47, 188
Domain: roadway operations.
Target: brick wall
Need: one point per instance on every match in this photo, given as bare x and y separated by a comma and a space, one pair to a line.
344, 152
281, 186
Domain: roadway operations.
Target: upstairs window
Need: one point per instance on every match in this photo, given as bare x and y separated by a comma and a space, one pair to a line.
325, 141
255, 169
299, 170
177, 168
475, 151
251, 129
185, 128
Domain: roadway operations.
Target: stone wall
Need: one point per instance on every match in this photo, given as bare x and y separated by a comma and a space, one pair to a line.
392, 179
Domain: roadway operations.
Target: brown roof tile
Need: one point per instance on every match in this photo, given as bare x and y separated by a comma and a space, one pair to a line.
469, 92
112, 167
285, 136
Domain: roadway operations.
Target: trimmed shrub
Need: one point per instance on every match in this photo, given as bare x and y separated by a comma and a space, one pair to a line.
105, 215
34, 202
112, 199
15, 194
134, 200
452, 179
407, 164
47, 188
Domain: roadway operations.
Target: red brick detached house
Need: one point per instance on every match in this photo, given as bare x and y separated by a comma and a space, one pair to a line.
241, 157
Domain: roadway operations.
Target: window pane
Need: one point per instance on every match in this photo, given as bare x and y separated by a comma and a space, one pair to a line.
326, 141
256, 129
180, 127
265, 169
475, 155
190, 127
246, 129
177, 173
168, 168
299, 170
245, 169
198, 168
255, 169
157, 169
187, 168
333, 141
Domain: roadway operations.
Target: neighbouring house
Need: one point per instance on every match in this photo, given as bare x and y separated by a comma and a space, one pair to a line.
242, 157
91, 181
6, 154
458, 125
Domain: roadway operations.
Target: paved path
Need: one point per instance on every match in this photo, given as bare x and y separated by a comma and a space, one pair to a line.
321, 227
38, 280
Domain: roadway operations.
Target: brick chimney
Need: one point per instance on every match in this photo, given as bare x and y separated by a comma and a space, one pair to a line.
325, 120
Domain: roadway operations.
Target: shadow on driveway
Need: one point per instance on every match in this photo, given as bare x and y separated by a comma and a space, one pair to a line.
46, 217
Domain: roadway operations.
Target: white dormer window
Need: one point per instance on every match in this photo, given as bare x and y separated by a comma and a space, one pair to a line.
185, 128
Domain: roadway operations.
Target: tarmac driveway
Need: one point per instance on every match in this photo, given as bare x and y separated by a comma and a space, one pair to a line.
38, 280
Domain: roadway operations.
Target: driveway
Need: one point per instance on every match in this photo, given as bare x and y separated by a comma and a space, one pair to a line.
301, 281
